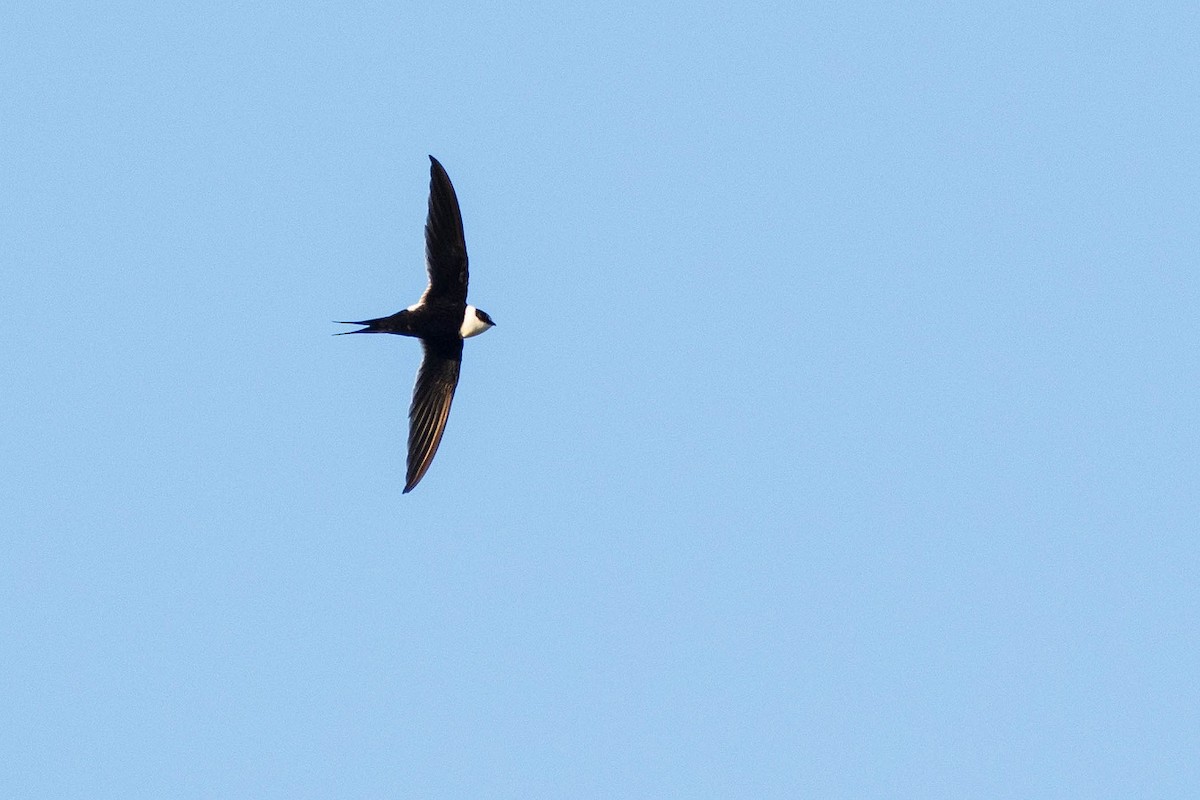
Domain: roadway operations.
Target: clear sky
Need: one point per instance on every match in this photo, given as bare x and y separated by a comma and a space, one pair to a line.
838, 437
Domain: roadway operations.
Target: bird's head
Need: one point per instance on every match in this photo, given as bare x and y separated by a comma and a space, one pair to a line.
475, 322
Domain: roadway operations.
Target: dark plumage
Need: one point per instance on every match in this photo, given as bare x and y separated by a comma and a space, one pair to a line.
441, 319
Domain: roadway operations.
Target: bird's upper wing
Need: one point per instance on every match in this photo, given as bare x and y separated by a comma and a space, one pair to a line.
445, 245
436, 381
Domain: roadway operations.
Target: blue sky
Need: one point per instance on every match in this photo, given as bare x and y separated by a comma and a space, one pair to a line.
838, 437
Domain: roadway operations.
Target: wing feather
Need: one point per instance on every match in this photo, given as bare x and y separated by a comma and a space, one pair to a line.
437, 379
445, 244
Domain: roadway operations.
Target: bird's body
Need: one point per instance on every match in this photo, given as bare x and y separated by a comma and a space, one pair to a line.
441, 319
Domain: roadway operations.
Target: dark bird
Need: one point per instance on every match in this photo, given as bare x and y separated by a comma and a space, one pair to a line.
441, 319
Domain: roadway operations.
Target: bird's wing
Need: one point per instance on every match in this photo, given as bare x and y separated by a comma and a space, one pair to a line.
436, 381
445, 245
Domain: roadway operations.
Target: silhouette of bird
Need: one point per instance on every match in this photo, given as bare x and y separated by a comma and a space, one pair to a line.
441, 319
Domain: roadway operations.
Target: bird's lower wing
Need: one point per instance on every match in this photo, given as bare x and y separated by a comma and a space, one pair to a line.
432, 395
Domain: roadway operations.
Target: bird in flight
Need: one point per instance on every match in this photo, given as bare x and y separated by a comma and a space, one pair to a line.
441, 319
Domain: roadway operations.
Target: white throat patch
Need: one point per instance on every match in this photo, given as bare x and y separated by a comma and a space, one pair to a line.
471, 324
